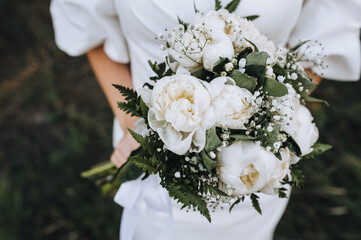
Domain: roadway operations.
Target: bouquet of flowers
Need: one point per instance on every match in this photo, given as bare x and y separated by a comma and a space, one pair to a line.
224, 116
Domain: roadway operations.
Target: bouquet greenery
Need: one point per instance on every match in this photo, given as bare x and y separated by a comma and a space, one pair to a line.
224, 117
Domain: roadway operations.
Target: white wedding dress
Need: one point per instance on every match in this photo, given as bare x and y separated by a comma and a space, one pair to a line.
128, 30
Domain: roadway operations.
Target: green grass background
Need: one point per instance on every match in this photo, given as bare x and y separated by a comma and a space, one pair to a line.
55, 123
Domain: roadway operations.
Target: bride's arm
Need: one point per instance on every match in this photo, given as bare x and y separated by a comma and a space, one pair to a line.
109, 72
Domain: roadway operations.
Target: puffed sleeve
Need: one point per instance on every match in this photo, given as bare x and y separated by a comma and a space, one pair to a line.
80, 25
336, 25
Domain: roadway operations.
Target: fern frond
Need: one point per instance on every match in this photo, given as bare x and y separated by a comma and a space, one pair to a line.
255, 203
189, 198
144, 163
218, 5
232, 6
128, 93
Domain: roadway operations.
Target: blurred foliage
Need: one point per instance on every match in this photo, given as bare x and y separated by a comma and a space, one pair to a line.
55, 123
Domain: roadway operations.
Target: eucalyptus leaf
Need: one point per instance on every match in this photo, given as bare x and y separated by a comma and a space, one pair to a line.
256, 65
254, 45
244, 81
212, 140
203, 74
208, 162
257, 58
219, 65
242, 137
314, 100
277, 69
244, 53
274, 88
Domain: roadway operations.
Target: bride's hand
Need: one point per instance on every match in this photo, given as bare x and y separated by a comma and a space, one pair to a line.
123, 150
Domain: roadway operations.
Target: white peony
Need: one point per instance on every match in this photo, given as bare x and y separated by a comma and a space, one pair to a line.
302, 129
232, 104
247, 168
296, 120
287, 106
282, 170
180, 112
219, 45
186, 49
240, 30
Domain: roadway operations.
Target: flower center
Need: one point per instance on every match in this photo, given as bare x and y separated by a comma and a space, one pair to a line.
250, 176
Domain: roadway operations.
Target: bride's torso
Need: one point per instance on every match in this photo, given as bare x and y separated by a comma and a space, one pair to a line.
143, 20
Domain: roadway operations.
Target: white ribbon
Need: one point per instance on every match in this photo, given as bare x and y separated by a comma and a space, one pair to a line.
134, 193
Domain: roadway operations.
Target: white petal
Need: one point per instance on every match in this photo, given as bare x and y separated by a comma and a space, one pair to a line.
153, 122
199, 141
183, 146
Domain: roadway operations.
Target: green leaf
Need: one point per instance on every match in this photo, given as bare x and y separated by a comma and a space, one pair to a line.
254, 45
144, 143
195, 7
188, 198
318, 149
298, 45
277, 69
278, 155
159, 69
256, 65
242, 137
298, 179
244, 53
213, 190
145, 110
244, 81
282, 193
129, 172
185, 25
308, 98
218, 5
203, 74
144, 163
130, 107
219, 65
257, 59
208, 162
232, 6
255, 203
128, 93
274, 88
212, 140
251, 17
302, 80
293, 146
234, 204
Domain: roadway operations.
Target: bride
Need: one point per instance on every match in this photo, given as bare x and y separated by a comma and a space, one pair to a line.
119, 38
